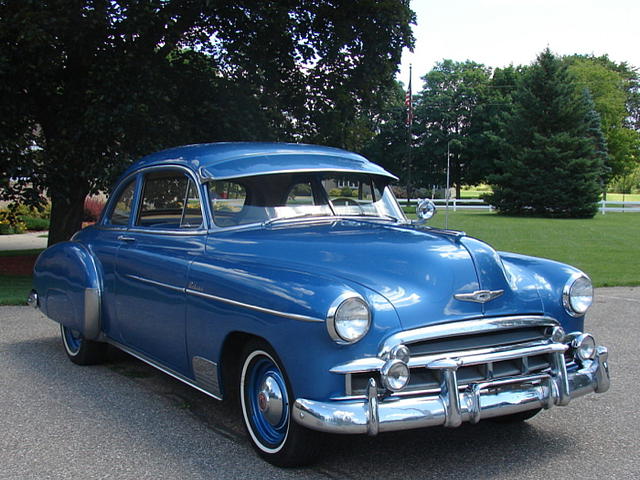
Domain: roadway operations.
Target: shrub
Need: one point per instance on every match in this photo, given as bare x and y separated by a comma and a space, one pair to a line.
93, 207
346, 192
10, 222
35, 223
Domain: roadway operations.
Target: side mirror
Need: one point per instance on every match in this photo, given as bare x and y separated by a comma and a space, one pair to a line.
425, 210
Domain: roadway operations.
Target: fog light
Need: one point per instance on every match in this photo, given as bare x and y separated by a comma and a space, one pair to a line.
395, 375
584, 346
401, 352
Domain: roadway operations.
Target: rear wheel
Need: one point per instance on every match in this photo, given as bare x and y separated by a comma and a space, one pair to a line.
266, 401
81, 351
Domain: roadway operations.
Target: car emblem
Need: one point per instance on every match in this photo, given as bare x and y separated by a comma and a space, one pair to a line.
479, 296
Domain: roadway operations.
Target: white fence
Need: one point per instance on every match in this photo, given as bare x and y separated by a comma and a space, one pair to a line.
456, 204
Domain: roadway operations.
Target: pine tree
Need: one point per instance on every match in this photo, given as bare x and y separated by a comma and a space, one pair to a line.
549, 165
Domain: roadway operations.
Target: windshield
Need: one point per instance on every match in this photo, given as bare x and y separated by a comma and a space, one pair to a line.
270, 198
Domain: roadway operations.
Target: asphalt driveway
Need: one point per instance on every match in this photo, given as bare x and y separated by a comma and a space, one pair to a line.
126, 420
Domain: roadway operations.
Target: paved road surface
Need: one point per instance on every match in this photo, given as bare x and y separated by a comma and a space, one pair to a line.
125, 420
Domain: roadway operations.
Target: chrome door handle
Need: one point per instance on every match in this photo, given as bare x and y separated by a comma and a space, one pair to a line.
124, 238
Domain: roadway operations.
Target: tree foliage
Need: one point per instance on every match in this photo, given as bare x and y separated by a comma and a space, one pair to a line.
614, 88
550, 164
445, 111
88, 86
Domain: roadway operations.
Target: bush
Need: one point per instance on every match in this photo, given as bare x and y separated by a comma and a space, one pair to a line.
93, 207
301, 189
10, 222
35, 223
346, 192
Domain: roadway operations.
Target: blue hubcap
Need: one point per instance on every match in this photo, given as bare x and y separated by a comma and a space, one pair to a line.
266, 393
73, 339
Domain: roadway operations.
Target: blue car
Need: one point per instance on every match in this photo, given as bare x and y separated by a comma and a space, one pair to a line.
287, 277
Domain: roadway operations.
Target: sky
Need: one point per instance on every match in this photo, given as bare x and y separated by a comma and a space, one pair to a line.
498, 33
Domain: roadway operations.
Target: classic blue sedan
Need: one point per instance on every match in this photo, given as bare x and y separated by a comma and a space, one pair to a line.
288, 278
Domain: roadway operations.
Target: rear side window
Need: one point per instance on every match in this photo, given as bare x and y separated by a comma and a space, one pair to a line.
169, 201
122, 209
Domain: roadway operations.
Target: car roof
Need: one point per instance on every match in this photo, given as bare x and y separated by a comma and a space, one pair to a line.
222, 161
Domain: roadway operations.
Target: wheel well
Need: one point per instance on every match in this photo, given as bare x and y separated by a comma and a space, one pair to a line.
230, 361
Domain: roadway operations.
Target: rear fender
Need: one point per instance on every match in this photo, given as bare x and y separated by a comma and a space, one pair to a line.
68, 281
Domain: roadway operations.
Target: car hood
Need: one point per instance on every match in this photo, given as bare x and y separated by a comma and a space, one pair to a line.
418, 270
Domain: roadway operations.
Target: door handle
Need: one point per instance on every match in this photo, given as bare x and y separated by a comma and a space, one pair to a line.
124, 238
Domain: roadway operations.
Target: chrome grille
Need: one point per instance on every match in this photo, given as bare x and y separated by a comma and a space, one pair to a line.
427, 380
475, 342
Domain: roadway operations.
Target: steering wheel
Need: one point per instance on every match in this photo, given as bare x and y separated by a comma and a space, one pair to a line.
346, 201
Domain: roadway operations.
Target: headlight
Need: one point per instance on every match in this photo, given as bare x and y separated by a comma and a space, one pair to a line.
349, 321
577, 295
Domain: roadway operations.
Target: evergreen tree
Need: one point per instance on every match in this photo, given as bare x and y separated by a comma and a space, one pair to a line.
595, 132
549, 165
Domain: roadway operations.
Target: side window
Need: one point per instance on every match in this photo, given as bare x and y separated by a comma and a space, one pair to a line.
122, 209
300, 194
169, 201
227, 202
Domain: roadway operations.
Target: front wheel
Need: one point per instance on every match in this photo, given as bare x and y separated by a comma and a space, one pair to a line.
81, 351
266, 402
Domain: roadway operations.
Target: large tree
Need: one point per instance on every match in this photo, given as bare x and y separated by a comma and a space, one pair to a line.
550, 164
445, 108
89, 85
614, 88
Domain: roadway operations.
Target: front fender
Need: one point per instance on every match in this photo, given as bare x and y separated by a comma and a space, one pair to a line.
304, 347
549, 278
68, 281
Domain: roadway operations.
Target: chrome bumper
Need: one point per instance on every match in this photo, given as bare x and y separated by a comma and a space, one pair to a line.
454, 405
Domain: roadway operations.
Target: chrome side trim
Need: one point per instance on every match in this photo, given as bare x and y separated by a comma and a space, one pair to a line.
162, 368
465, 327
292, 316
206, 373
155, 283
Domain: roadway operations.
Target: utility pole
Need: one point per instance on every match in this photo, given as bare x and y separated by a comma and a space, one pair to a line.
409, 104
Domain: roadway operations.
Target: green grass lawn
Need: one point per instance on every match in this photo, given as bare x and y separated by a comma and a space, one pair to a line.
14, 289
606, 247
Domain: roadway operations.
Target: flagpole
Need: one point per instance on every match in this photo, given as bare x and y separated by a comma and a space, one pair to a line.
409, 104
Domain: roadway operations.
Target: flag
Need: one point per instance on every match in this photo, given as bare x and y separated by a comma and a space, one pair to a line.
408, 102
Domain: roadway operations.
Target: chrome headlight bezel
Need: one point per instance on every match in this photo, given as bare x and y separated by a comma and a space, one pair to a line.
336, 331
568, 297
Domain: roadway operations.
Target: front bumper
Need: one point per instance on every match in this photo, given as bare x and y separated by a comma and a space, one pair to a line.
454, 405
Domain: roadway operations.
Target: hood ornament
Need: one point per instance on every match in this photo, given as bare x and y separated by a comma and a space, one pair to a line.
479, 296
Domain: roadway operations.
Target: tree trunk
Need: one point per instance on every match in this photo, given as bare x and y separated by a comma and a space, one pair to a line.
67, 214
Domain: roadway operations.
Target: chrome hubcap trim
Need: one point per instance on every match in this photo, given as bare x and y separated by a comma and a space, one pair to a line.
270, 400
